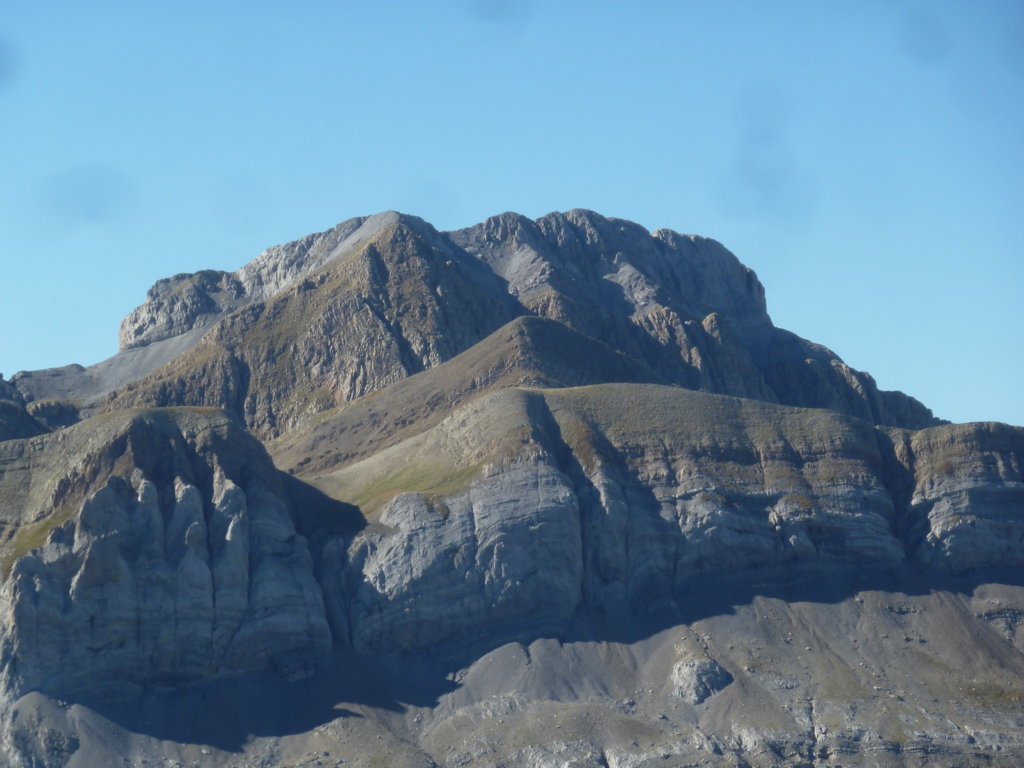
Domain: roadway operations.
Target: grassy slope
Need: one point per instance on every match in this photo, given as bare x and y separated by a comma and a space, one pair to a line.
43, 480
529, 351
630, 418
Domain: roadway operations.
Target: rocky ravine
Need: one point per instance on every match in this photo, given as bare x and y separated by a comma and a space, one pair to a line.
499, 531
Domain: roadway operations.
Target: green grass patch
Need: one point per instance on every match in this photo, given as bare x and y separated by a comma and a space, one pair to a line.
581, 438
32, 536
434, 480
799, 500
995, 695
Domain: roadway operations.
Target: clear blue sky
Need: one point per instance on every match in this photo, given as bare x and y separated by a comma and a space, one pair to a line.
865, 158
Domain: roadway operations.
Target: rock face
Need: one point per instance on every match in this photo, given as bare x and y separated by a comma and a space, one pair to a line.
696, 680
529, 351
532, 493
15, 420
182, 564
634, 494
503, 521
965, 507
180, 309
470, 567
684, 305
402, 302
179, 304
176, 305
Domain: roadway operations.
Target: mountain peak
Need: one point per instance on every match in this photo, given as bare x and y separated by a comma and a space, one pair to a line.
647, 295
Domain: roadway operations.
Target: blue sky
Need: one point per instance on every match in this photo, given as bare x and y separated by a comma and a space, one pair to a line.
865, 158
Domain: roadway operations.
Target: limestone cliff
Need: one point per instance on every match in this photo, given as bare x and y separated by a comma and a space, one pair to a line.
503, 521
152, 547
682, 304
179, 310
179, 304
620, 499
15, 420
400, 303
160, 548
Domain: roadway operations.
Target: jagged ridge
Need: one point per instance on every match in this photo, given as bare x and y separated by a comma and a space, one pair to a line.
682, 306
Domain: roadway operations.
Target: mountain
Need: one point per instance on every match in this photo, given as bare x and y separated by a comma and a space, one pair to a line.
530, 493
329, 318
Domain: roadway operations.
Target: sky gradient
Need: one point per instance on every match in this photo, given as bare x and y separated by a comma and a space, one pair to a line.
865, 158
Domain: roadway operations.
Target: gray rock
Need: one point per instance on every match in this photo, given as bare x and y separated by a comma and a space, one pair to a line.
16, 422
346, 312
191, 301
696, 680
403, 301
967, 498
154, 580
502, 558
637, 517
179, 310
495, 550
682, 304
176, 305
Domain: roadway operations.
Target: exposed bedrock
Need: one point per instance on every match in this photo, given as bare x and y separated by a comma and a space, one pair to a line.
501, 560
547, 492
527, 506
316, 323
966, 507
178, 560
168, 551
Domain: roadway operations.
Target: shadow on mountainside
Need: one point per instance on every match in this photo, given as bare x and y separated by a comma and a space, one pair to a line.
316, 514
719, 595
227, 714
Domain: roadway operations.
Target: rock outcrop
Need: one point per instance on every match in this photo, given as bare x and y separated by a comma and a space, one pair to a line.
967, 497
167, 554
15, 420
400, 303
684, 305
176, 305
504, 521
621, 499
189, 301
696, 680
166, 551
179, 310
529, 351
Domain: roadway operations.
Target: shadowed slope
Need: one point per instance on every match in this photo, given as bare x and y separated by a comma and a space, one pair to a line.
401, 303
683, 304
529, 351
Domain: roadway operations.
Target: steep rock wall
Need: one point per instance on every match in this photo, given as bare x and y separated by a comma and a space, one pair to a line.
177, 561
169, 552
651, 491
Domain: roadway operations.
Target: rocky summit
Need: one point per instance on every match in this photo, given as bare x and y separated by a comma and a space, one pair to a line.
544, 493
